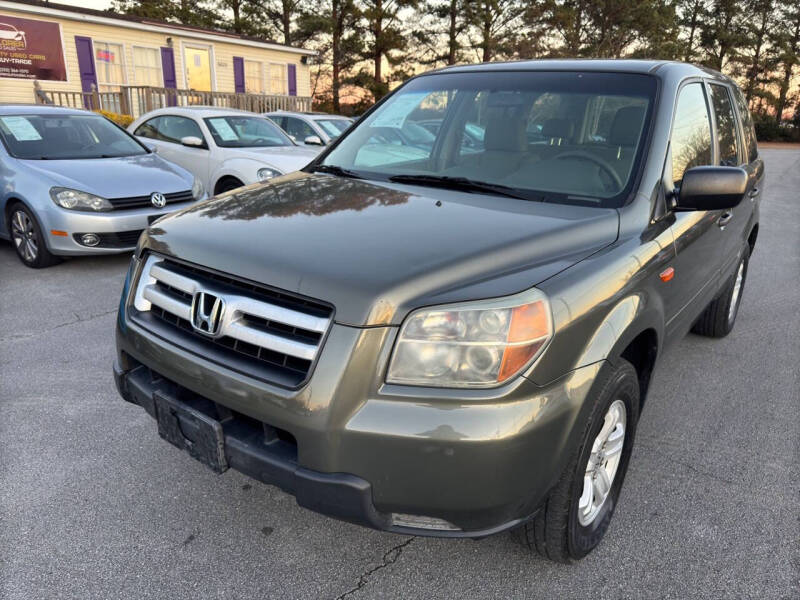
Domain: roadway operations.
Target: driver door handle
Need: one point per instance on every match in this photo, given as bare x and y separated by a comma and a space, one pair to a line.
724, 218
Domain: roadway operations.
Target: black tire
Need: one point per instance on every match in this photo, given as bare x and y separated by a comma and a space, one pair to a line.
226, 184
556, 531
18, 213
718, 318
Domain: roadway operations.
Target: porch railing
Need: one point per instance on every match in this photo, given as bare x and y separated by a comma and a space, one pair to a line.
135, 100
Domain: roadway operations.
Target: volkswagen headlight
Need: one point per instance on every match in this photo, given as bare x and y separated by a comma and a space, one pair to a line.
265, 173
473, 345
77, 200
197, 189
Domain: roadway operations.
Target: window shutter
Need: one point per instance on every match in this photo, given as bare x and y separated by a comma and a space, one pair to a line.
292, 70
86, 67
238, 74
168, 70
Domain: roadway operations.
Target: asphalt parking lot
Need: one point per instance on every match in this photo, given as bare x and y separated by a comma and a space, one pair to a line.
93, 504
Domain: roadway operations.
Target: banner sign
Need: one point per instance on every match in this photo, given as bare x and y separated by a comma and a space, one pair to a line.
31, 49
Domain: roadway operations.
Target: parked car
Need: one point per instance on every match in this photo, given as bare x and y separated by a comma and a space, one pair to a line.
72, 183
311, 129
462, 343
225, 148
471, 139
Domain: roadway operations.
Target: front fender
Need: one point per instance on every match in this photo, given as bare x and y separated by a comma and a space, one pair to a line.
603, 303
244, 169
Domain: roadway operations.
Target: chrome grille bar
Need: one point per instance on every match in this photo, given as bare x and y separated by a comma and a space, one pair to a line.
158, 285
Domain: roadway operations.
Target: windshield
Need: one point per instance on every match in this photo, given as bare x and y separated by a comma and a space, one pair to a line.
558, 137
246, 132
333, 127
65, 137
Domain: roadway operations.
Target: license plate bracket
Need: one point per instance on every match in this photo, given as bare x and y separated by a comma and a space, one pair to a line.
189, 429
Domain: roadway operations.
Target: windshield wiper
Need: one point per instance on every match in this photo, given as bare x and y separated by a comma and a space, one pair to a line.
335, 170
464, 184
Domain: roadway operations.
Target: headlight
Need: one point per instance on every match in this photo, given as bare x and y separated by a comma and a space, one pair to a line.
197, 189
265, 173
472, 345
76, 200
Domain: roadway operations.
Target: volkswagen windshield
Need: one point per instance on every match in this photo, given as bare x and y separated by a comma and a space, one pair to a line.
65, 137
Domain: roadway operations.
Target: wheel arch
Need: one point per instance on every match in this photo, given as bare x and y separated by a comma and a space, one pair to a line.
633, 331
224, 177
5, 212
752, 236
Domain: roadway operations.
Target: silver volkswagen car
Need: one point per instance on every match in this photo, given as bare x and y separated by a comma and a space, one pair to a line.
72, 182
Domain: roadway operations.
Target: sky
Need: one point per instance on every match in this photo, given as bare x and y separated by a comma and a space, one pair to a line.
96, 4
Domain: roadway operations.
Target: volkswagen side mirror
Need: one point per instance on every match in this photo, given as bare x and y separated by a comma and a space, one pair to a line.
711, 188
313, 140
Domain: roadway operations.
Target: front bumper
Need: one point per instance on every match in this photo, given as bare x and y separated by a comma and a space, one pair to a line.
408, 460
116, 226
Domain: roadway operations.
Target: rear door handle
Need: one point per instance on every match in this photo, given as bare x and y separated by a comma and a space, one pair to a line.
724, 218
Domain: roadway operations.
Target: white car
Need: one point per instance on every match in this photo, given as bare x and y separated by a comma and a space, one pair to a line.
311, 129
223, 148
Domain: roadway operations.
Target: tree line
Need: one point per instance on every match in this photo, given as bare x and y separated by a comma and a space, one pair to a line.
367, 46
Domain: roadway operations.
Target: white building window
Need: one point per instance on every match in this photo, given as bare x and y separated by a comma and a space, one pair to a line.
108, 60
147, 66
253, 77
277, 79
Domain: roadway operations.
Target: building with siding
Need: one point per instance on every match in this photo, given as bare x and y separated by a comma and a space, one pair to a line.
72, 49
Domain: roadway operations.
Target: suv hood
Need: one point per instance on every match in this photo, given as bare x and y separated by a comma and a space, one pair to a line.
377, 250
286, 158
120, 177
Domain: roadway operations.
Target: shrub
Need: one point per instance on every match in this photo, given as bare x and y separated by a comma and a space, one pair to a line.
121, 120
768, 130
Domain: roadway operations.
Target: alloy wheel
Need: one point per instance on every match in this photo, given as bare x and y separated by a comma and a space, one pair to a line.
603, 463
737, 291
24, 235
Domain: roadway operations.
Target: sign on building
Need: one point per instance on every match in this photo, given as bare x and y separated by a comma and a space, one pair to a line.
31, 49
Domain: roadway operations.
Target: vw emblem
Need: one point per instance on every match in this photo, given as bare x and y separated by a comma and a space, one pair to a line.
158, 200
207, 312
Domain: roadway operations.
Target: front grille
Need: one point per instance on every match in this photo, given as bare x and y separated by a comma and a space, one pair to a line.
144, 201
270, 334
117, 239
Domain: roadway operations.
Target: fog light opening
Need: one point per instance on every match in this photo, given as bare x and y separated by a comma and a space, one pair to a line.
90, 239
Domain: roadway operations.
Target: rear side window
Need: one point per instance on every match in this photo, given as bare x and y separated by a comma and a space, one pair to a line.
747, 126
299, 129
169, 128
691, 132
726, 126
148, 129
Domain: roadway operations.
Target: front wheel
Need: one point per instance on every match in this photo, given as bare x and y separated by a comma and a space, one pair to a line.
28, 240
578, 511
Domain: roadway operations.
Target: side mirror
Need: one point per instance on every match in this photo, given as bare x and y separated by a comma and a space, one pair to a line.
711, 188
313, 140
192, 141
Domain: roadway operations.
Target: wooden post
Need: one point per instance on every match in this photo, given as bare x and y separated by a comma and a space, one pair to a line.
124, 103
148, 99
95, 102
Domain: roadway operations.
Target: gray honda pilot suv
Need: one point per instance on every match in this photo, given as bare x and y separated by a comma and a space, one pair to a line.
453, 335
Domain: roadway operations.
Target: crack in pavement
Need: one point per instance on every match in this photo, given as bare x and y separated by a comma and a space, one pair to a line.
78, 319
389, 558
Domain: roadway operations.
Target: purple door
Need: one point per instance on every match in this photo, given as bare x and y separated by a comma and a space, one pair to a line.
238, 74
86, 66
168, 69
292, 70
